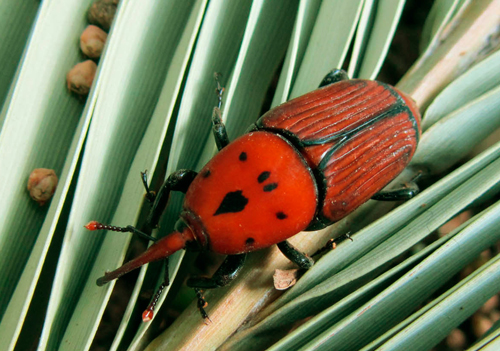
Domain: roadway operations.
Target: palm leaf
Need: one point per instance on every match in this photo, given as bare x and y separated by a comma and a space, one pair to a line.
150, 107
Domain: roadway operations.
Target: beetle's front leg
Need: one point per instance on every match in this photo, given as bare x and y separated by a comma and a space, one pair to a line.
228, 270
218, 127
177, 181
294, 255
334, 76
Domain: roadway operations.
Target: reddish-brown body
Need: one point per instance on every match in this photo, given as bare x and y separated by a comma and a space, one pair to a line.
304, 165
326, 152
356, 135
271, 209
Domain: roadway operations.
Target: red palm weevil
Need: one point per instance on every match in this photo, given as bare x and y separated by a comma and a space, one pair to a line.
302, 166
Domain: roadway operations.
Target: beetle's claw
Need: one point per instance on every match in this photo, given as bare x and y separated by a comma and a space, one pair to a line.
332, 244
202, 304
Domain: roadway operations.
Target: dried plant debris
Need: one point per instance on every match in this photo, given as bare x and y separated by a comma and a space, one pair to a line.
284, 279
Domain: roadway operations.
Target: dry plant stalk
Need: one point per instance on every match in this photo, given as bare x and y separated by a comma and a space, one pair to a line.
466, 40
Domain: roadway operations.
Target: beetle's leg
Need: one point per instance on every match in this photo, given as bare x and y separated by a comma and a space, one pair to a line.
202, 303
294, 255
334, 76
228, 270
332, 244
406, 192
147, 315
150, 195
177, 181
218, 127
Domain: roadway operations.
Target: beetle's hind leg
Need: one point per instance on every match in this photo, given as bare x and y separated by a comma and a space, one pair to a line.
334, 76
294, 255
218, 127
332, 244
405, 192
227, 272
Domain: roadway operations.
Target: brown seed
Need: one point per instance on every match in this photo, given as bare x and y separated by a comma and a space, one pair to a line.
102, 13
92, 41
456, 339
494, 315
42, 184
454, 223
81, 76
489, 305
480, 324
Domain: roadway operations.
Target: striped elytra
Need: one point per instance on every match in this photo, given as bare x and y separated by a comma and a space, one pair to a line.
356, 135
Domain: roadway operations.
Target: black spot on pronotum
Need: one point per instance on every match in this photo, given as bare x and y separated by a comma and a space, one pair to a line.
206, 173
281, 215
263, 176
233, 202
243, 156
270, 187
250, 241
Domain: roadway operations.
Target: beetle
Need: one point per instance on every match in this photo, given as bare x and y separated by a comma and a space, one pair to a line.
302, 166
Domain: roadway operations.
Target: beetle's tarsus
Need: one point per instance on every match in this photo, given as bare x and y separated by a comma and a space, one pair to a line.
332, 244
406, 192
150, 195
218, 127
218, 89
202, 304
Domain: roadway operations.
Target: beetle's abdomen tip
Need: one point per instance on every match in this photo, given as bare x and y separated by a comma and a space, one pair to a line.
412, 105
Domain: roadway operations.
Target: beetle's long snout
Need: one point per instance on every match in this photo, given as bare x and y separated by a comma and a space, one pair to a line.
156, 252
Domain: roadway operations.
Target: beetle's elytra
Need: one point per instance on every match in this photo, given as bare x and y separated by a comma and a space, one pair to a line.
304, 165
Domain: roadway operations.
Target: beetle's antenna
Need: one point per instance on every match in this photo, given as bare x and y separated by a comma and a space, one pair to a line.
94, 225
